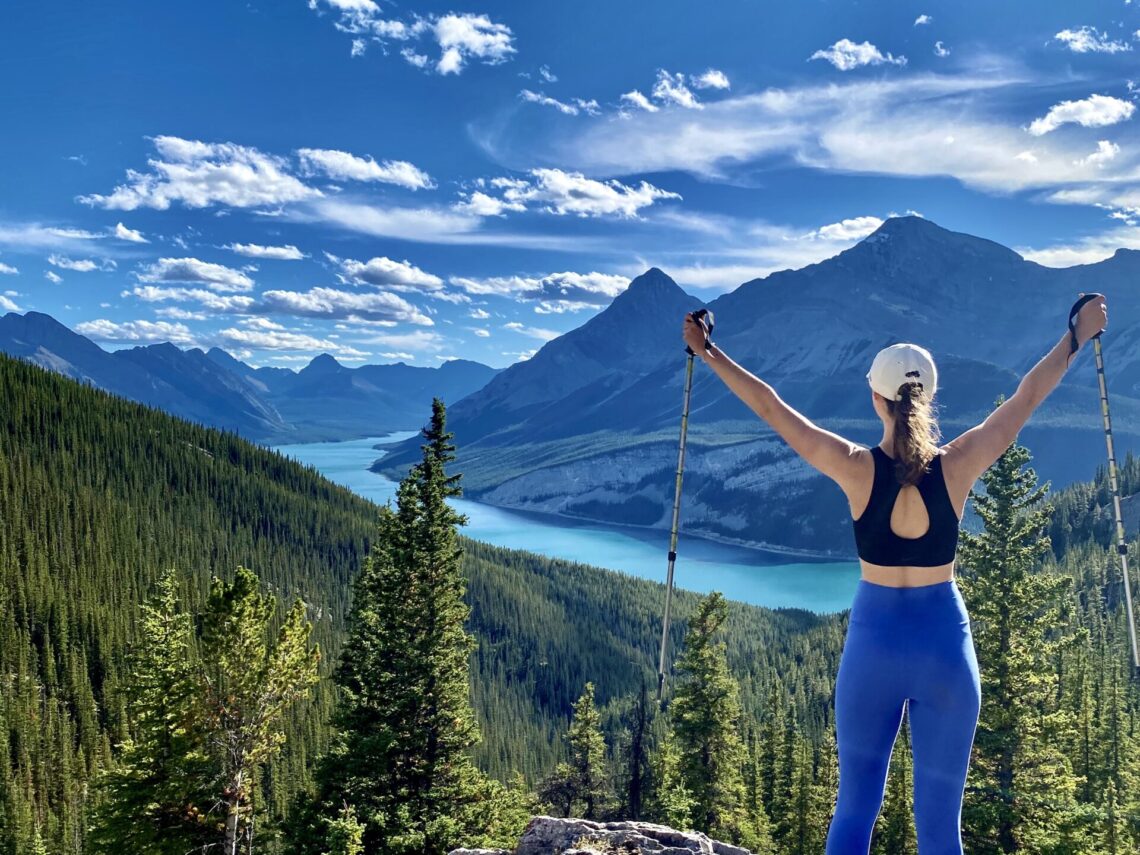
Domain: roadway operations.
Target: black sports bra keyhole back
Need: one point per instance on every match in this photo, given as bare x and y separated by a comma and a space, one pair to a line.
876, 541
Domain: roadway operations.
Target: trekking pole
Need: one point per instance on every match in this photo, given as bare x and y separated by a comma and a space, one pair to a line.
697, 315
1114, 483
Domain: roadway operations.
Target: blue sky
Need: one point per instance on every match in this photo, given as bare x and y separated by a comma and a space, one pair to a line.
418, 182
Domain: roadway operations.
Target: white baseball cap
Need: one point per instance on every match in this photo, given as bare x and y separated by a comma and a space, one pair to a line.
902, 363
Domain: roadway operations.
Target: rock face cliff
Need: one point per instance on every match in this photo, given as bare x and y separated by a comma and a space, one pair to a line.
547, 835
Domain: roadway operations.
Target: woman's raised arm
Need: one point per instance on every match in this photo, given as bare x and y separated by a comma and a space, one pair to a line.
976, 449
828, 452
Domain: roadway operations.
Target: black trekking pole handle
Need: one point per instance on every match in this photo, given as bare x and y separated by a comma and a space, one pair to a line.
697, 315
1073, 312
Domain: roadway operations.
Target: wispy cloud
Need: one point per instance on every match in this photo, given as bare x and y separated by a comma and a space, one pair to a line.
572, 108
555, 191
384, 272
342, 166
136, 331
920, 125
461, 38
216, 277
278, 253
79, 265
1087, 40
553, 293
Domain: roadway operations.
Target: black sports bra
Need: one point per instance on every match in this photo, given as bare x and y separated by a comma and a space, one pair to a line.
875, 541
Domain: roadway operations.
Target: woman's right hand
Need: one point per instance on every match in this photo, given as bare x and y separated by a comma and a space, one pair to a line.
1091, 319
694, 333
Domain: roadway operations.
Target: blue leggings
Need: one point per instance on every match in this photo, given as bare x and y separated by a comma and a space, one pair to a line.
913, 646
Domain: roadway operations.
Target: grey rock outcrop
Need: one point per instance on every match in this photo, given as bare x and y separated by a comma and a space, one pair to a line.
547, 835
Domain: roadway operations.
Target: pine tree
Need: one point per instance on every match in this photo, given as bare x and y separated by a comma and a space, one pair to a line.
705, 714
637, 756
405, 720
1021, 789
154, 799
346, 834
672, 802
248, 686
590, 783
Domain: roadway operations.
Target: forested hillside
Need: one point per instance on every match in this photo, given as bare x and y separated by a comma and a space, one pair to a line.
98, 496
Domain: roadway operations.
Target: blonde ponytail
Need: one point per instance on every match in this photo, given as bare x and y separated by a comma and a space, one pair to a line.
916, 433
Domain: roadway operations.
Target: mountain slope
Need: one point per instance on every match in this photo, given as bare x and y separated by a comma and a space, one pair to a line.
570, 432
324, 401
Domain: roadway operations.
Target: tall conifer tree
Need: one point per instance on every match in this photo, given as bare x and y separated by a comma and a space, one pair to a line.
1021, 788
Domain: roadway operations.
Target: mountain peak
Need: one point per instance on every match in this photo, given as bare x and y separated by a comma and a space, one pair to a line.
916, 241
653, 284
324, 363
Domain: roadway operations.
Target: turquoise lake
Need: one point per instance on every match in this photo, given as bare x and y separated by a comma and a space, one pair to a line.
749, 575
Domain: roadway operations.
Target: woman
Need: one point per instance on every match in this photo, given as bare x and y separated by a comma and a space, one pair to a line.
909, 640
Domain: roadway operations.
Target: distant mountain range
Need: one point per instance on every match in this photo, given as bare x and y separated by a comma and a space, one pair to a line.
323, 401
589, 425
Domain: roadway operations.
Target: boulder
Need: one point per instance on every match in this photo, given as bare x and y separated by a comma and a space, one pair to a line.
548, 835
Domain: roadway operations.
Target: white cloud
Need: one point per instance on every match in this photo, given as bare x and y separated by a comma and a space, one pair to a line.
143, 331
941, 50
922, 19
217, 303
638, 100
415, 341
557, 192
198, 174
461, 38
332, 303
397, 355
285, 340
846, 55
1087, 250
711, 79
846, 230
387, 273
34, 236
129, 235
1105, 151
532, 332
467, 36
885, 126
217, 277
579, 105
52, 276
556, 292
1093, 112
79, 265
1088, 40
7, 269
179, 314
545, 73
279, 253
482, 333
479, 314
342, 166
8, 305
671, 88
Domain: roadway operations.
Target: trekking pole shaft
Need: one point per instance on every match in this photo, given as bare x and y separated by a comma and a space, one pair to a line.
673, 530
1121, 544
